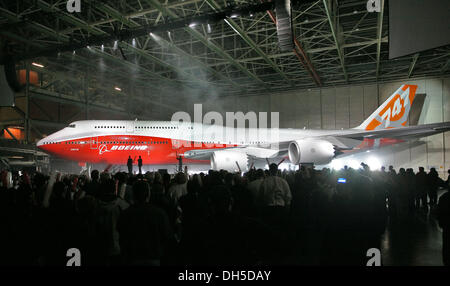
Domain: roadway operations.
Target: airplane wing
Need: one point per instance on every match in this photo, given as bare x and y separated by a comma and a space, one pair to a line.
343, 140
253, 151
203, 154
351, 138
385, 126
397, 133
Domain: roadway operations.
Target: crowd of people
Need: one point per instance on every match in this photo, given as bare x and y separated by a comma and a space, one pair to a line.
261, 217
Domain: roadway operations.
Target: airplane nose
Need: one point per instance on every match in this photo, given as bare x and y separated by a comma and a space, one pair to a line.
41, 144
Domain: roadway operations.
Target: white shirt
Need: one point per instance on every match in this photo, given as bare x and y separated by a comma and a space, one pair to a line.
176, 191
254, 187
275, 191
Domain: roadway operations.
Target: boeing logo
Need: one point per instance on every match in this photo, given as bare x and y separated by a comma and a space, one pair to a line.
103, 148
128, 147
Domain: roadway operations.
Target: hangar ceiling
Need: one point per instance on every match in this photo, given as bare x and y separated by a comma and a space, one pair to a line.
338, 42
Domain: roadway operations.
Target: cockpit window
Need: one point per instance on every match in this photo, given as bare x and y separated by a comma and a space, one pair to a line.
72, 126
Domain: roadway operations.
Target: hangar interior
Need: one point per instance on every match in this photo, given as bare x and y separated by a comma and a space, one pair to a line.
336, 75
328, 64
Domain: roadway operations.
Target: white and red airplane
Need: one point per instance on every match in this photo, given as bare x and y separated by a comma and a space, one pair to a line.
164, 142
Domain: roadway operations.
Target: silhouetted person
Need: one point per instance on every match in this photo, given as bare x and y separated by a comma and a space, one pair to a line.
157, 194
227, 238
443, 216
58, 231
144, 229
448, 178
402, 194
433, 185
178, 189
255, 185
392, 170
412, 190
140, 164
110, 206
194, 211
130, 165
94, 185
275, 190
85, 232
353, 225
422, 186
165, 180
121, 177
275, 198
190, 204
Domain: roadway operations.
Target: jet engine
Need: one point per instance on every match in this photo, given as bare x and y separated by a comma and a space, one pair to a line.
229, 160
314, 151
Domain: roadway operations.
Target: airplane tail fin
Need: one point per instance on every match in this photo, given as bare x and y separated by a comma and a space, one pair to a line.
393, 112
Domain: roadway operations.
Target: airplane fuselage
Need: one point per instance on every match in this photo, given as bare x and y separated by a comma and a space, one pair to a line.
157, 142
164, 142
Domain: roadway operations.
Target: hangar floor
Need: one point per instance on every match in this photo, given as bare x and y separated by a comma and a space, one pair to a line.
414, 242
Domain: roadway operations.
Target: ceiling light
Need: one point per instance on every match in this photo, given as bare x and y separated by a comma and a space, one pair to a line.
38, 65
15, 157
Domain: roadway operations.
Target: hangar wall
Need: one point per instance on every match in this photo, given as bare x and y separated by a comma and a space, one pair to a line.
346, 107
